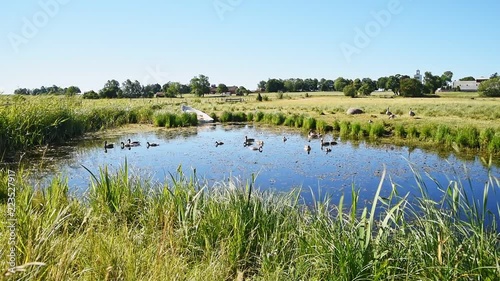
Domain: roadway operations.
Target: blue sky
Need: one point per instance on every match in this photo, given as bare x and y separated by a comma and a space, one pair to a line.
240, 42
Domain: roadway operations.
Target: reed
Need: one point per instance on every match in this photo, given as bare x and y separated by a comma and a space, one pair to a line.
132, 228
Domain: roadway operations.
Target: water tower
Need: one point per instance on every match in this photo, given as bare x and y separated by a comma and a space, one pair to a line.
418, 76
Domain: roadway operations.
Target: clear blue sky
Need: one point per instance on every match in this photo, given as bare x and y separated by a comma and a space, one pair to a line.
240, 42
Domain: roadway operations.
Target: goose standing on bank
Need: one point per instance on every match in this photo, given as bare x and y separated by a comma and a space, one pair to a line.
387, 112
411, 113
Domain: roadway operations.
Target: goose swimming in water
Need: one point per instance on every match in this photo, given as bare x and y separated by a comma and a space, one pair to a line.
217, 143
108, 145
126, 145
133, 143
152, 144
284, 139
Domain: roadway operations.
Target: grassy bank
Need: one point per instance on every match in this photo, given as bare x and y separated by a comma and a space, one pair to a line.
128, 228
27, 122
454, 120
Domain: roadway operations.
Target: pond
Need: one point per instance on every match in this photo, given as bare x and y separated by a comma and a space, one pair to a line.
280, 165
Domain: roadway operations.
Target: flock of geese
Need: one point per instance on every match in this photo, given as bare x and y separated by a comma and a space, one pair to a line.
257, 145
129, 144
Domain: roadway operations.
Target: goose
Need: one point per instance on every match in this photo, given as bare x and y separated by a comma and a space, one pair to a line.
108, 145
133, 143
249, 140
126, 145
256, 148
325, 143
411, 113
217, 143
312, 134
370, 121
152, 144
387, 112
328, 150
284, 139
260, 143
392, 116
307, 148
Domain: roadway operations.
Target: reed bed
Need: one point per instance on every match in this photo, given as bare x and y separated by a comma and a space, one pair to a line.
128, 228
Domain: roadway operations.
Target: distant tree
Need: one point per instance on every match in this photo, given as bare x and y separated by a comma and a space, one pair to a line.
349, 90
165, 86
310, 84
150, 90
173, 90
299, 85
21, 91
410, 87
494, 75
289, 85
200, 85
90, 95
111, 90
367, 86
340, 83
184, 89
446, 78
357, 83
382, 82
432, 82
393, 83
72, 90
274, 85
490, 88
131, 89
242, 91
468, 78
222, 88
261, 85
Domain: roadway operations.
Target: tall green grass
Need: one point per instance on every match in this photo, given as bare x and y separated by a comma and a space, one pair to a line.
130, 228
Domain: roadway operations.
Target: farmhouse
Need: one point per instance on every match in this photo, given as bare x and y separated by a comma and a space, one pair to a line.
231, 90
469, 86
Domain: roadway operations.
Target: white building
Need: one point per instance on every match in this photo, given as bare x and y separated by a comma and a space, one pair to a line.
418, 76
468, 86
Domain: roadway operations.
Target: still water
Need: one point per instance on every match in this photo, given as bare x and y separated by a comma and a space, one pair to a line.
280, 166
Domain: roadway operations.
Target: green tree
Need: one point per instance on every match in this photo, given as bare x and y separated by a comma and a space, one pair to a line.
261, 86
349, 91
21, 91
468, 78
446, 78
242, 91
289, 85
494, 75
357, 83
432, 82
111, 90
72, 90
200, 85
410, 87
173, 90
382, 82
393, 84
131, 89
340, 83
90, 95
490, 88
222, 88
274, 85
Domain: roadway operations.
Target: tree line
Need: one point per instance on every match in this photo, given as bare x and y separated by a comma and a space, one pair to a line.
403, 85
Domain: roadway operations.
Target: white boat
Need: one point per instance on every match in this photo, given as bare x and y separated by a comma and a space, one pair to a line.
202, 116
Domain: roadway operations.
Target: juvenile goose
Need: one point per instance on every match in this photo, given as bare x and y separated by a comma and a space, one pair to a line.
108, 145
328, 150
284, 139
307, 148
152, 144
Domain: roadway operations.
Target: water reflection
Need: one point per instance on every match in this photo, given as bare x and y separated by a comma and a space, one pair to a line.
287, 159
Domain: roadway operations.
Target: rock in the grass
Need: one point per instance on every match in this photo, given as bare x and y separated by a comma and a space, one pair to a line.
354, 111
